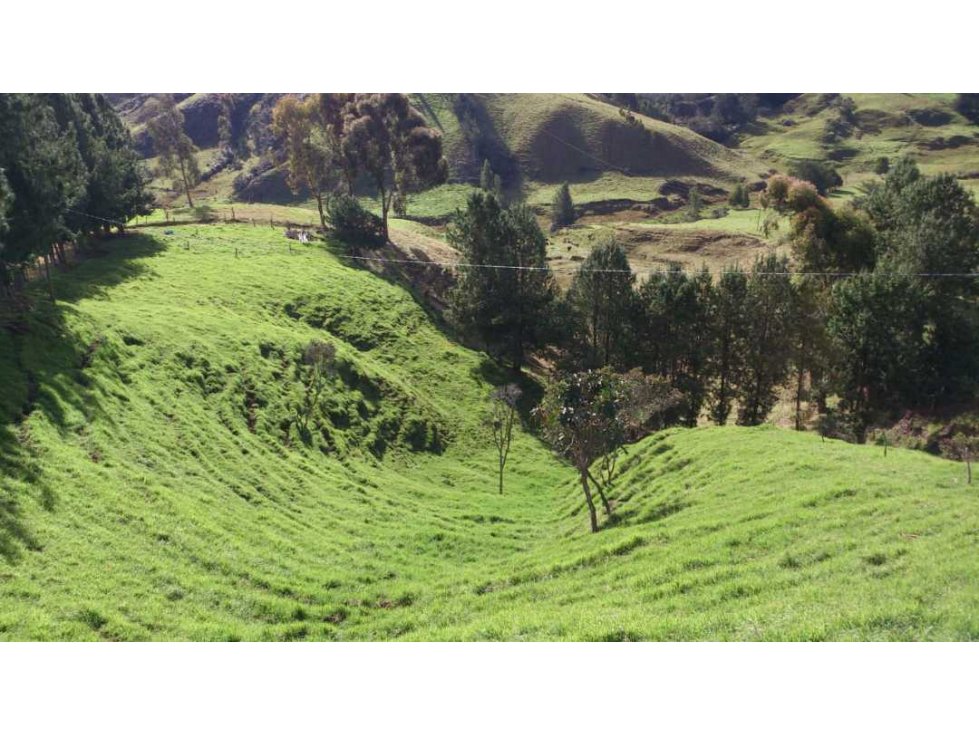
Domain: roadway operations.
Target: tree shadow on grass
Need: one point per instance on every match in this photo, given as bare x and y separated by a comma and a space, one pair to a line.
531, 391
43, 370
106, 264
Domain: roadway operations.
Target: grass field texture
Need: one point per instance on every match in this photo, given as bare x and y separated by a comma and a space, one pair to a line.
153, 489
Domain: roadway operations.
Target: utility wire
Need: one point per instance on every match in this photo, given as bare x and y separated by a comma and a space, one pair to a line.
582, 268
92, 216
571, 268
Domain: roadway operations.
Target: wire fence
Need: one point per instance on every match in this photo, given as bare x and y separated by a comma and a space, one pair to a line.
242, 249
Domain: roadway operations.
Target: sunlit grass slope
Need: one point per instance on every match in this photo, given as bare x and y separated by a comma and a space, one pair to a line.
152, 488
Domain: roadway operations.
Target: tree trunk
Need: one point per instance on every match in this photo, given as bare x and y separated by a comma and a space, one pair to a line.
385, 203
183, 175
47, 275
591, 504
501, 474
798, 400
319, 206
601, 493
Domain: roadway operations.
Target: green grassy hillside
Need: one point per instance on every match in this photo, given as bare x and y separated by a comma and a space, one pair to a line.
925, 126
534, 141
152, 488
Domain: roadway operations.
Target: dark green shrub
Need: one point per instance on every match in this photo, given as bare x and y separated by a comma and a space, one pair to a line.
353, 224
967, 105
562, 208
822, 175
739, 197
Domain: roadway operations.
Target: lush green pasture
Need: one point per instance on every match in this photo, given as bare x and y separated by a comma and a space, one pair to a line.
153, 488
736, 221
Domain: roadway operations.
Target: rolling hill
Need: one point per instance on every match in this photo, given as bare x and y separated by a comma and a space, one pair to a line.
152, 489
533, 141
925, 126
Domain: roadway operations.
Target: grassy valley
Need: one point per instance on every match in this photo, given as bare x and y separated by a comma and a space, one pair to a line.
153, 488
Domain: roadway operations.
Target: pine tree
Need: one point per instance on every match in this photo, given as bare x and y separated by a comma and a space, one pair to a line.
768, 338
498, 187
45, 176
486, 177
674, 335
726, 314
562, 207
601, 298
695, 204
739, 197
507, 308
115, 177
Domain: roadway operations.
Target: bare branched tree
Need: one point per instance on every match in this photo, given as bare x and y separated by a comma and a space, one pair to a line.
503, 406
964, 448
317, 366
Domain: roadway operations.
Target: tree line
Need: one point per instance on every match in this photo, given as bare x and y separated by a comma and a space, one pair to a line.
876, 308
67, 171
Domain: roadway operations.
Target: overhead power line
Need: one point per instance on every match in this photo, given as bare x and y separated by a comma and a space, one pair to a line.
570, 267
101, 219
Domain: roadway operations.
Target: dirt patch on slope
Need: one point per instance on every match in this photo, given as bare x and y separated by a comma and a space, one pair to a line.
655, 248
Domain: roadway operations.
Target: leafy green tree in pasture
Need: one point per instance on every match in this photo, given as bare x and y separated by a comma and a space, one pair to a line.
828, 240
507, 295
586, 416
601, 298
928, 229
174, 146
727, 317
820, 174
963, 447
882, 202
352, 224
328, 113
310, 162
776, 192
562, 207
503, 413
390, 142
768, 338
